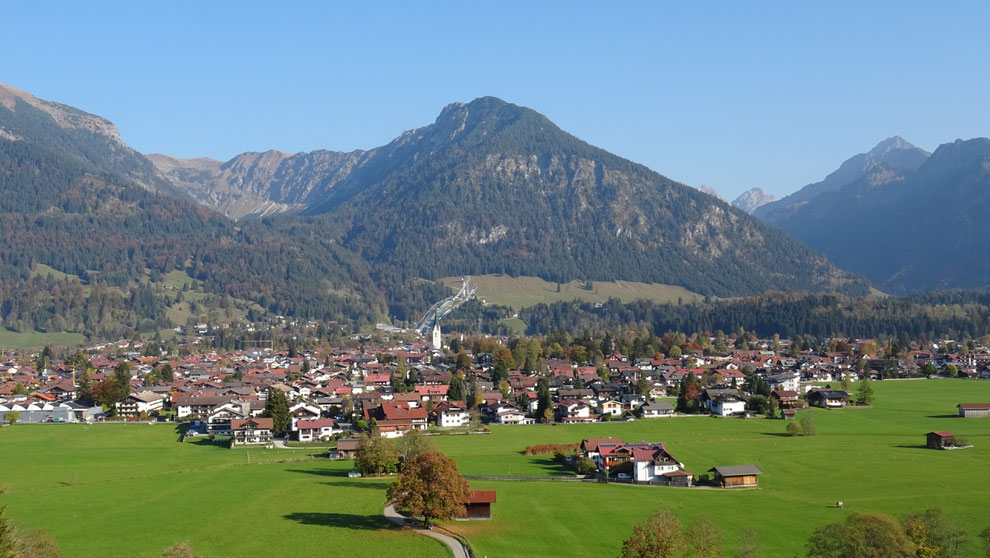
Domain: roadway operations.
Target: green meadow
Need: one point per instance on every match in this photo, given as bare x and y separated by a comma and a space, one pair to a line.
133, 490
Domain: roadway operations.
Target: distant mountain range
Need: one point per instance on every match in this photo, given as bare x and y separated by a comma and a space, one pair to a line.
753, 199
908, 220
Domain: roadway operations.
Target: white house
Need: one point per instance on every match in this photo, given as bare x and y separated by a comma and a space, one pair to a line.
309, 430
453, 416
657, 409
136, 403
728, 405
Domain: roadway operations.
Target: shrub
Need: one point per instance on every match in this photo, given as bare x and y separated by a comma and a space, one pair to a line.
543, 449
585, 466
794, 429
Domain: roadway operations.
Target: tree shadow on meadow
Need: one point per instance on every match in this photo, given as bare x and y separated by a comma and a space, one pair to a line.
342, 520
943, 416
339, 473
921, 446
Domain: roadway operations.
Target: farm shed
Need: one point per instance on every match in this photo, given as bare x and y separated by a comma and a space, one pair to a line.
974, 410
736, 475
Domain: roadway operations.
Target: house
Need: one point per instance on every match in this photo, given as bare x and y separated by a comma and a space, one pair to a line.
197, 405
787, 399
252, 430
218, 421
574, 411
610, 407
508, 414
974, 410
479, 506
727, 405
736, 475
788, 414
303, 410
450, 414
136, 403
709, 396
591, 447
310, 430
656, 409
940, 439
828, 398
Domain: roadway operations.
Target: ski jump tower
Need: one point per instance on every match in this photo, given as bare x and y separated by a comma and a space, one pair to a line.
430, 322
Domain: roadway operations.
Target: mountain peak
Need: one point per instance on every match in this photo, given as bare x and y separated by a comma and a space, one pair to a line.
752, 199
890, 144
65, 116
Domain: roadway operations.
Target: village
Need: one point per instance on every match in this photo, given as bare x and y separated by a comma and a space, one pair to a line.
397, 388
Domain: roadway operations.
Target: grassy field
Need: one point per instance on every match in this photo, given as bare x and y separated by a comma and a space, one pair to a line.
14, 340
132, 490
519, 292
871, 459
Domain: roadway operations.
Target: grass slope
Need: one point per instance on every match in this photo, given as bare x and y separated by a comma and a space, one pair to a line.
36, 339
520, 292
132, 490
871, 459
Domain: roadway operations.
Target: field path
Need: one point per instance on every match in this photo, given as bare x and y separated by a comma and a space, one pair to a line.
456, 546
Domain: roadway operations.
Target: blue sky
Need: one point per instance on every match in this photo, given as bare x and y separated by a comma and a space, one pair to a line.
733, 95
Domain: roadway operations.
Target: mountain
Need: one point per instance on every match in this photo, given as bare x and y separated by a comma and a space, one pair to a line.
492, 187
909, 230
91, 231
260, 184
752, 199
888, 162
709, 190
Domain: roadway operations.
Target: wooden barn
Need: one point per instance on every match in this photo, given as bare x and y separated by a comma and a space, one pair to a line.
974, 410
736, 475
480, 505
940, 439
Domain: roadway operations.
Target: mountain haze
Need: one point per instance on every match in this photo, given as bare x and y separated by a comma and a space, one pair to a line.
908, 229
888, 162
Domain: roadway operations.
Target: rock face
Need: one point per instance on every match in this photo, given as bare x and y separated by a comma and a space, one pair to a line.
908, 228
889, 161
24, 117
752, 199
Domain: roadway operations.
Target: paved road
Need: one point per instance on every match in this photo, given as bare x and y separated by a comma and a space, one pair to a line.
456, 547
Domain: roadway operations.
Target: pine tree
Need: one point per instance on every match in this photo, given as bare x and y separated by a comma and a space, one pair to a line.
277, 409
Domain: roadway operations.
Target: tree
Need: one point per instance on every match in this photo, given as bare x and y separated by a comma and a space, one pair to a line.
657, 537
951, 370
807, 423
430, 486
180, 550
107, 393
643, 385
8, 543
544, 401
375, 456
412, 445
929, 369
37, 544
749, 544
794, 429
934, 535
457, 390
277, 409
462, 361
985, 538
705, 538
122, 377
864, 395
861, 536
12, 417
19, 389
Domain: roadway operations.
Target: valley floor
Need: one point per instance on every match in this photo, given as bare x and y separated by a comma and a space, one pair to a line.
134, 490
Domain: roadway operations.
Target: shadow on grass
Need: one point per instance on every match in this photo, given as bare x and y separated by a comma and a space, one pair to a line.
375, 484
778, 434
924, 447
943, 416
340, 473
343, 520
